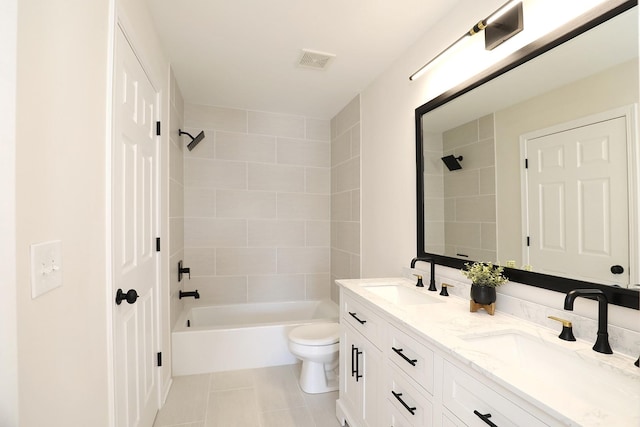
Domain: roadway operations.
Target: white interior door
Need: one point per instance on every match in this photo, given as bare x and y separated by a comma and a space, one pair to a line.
135, 225
577, 201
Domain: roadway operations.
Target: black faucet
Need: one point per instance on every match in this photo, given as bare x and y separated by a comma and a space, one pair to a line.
432, 277
194, 294
602, 340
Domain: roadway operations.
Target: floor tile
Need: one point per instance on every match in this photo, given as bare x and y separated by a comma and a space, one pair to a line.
186, 402
265, 397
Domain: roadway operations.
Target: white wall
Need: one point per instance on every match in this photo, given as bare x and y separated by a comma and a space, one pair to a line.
60, 194
257, 206
8, 324
388, 129
62, 151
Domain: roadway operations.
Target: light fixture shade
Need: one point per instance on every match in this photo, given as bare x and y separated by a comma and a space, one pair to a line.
503, 26
452, 162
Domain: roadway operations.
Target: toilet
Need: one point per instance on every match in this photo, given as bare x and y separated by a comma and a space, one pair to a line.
317, 346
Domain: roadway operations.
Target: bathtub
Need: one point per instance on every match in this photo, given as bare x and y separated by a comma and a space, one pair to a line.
219, 338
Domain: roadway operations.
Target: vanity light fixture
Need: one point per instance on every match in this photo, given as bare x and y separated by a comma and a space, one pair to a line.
500, 26
452, 162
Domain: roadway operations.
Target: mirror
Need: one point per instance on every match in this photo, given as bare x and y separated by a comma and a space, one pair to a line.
506, 124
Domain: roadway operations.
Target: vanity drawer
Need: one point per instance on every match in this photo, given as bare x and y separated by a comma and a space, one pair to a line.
363, 320
412, 357
463, 395
409, 406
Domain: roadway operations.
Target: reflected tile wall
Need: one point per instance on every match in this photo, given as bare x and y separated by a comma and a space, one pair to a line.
257, 206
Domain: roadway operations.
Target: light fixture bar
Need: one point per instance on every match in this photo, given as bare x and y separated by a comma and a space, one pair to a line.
481, 25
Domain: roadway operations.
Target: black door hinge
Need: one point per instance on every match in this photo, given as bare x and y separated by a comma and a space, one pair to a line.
528, 241
158, 128
526, 162
157, 244
159, 359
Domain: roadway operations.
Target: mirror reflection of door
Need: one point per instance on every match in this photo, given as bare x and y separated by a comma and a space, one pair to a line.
577, 202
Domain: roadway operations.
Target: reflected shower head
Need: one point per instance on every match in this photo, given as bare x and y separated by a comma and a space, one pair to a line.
452, 162
194, 141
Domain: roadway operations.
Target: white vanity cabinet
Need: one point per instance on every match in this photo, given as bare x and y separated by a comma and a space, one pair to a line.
391, 376
360, 364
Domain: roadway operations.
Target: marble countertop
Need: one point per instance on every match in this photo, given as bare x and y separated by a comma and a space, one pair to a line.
610, 380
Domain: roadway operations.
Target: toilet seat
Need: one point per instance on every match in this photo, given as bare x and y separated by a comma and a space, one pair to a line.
316, 334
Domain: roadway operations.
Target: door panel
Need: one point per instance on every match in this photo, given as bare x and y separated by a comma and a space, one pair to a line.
578, 202
135, 225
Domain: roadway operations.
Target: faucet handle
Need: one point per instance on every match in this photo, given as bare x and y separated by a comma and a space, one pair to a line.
444, 291
419, 284
567, 329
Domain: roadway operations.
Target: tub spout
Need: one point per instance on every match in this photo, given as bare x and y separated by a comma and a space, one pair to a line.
194, 294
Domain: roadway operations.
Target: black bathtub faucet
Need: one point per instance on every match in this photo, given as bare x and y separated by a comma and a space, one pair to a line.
194, 294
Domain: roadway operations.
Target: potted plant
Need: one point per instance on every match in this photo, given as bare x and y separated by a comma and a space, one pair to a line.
485, 278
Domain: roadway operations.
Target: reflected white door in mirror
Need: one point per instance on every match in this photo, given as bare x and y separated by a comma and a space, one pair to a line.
576, 201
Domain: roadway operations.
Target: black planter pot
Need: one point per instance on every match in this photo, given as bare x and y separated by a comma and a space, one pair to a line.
483, 294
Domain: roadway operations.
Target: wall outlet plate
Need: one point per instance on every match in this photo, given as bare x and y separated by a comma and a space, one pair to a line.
46, 267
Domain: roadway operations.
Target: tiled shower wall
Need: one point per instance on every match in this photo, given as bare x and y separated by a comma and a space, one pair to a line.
257, 206
176, 196
345, 194
470, 192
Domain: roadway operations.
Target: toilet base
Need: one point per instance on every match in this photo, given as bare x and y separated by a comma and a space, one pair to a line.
314, 378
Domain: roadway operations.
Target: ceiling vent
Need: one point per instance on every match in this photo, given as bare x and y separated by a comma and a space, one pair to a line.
314, 59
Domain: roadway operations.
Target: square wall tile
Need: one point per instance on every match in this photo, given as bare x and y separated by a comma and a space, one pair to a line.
276, 233
284, 178
214, 232
276, 124
246, 261
318, 129
215, 174
303, 260
280, 287
303, 153
245, 204
245, 147
304, 206
218, 118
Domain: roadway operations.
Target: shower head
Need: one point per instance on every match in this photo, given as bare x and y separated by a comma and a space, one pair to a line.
194, 141
452, 162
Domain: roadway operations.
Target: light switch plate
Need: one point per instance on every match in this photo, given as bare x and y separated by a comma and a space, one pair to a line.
46, 267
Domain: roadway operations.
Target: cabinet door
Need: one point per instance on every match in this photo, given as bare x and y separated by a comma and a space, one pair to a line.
360, 370
351, 390
371, 368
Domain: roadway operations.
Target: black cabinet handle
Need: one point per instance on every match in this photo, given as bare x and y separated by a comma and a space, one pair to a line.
362, 322
399, 352
131, 296
353, 360
412, 410
358, 375
485, 418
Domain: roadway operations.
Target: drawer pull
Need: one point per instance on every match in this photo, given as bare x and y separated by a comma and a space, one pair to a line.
399, 352
485, 418
353, 360
362, 322
411, 410
358, 375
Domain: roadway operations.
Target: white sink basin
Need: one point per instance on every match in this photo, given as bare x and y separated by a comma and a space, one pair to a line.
402, 295
557, 371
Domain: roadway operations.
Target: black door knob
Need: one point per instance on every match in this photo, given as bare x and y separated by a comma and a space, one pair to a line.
617, 269
131, 296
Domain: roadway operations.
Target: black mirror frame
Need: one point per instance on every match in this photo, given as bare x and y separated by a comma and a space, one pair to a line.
618, 296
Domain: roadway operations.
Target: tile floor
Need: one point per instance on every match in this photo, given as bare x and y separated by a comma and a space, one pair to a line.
265, 397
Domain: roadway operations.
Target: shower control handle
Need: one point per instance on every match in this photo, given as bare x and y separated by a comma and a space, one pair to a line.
131, 296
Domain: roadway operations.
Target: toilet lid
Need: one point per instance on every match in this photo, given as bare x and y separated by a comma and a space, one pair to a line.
316, 334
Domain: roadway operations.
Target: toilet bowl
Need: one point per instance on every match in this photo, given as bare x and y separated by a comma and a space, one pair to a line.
317, 346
